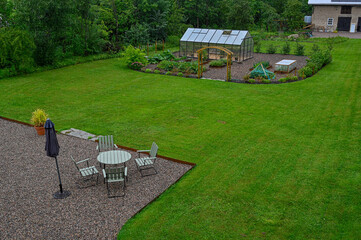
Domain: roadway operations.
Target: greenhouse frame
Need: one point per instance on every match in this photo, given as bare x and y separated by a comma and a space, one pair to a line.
239, 42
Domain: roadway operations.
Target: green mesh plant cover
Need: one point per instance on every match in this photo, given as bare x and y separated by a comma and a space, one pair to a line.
260, 71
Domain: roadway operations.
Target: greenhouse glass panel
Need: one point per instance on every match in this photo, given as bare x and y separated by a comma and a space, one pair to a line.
216, 36
187, 34
209, 36
193, 37
231, 39
223, 39
200, 37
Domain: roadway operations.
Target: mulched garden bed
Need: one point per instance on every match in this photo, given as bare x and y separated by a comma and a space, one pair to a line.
239, 70
28, 179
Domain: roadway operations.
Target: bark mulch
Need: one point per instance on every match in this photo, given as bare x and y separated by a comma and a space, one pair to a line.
28, 179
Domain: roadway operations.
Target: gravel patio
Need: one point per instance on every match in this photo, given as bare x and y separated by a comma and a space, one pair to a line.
28, 179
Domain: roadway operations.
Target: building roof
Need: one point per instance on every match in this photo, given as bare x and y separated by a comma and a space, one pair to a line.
215, 36
335, 2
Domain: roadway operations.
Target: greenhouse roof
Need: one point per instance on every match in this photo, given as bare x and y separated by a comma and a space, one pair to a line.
215, 36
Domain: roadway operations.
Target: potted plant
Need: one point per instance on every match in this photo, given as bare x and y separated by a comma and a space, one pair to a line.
38, 119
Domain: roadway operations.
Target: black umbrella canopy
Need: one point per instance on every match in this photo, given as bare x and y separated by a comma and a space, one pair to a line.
51, 145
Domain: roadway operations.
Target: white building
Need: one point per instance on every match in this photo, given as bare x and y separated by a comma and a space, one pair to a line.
340, 15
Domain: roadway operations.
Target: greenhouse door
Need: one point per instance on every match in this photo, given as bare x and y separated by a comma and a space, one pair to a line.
344, 24
359, 25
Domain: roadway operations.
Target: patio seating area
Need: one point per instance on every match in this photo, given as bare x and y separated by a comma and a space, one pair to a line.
29, 179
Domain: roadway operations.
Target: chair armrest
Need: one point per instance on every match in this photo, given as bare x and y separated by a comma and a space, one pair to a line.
104, 173
141, 151
115, 145
85, 160
97, 147
125, 171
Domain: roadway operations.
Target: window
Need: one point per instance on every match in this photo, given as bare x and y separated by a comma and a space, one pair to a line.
346, 9
329, 21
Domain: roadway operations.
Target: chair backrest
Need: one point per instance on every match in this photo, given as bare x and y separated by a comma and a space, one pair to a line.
115, 173
76, 165
153, 150
105, 143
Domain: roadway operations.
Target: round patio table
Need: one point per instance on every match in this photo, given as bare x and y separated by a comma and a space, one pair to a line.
113, 157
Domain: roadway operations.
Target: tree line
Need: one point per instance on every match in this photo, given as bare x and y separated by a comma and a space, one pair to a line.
47, 30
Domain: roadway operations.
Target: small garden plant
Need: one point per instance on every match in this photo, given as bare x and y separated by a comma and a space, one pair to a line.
217, 63
166, 55
286, 48
39, 117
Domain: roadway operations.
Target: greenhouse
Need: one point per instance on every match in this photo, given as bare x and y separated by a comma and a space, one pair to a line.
239, 42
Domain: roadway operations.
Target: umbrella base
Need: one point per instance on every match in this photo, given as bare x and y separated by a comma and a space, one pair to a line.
61, 195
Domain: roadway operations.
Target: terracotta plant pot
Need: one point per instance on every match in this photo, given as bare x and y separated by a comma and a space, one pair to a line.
40, 130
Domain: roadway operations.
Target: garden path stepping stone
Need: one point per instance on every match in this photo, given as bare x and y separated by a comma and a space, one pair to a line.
80, 134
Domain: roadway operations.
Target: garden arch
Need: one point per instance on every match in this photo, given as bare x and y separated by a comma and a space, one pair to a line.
200, 60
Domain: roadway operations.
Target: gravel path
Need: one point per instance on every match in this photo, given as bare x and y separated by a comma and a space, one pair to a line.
28, 179
356, 35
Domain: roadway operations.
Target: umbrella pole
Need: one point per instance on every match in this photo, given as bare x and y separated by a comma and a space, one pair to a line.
57, 168
61, 194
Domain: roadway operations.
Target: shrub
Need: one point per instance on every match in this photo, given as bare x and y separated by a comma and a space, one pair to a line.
136, 65
300, 49
166, 55
4, 73
258, 47
17, 48
217, 63
133, 55
266, 81
286, 48
180, 74
39, 117
251, 80
148, 70
282, 80
156, 71
264, 63
293, 78
189, 67
271, 49
319, 59
168, 65
168, 73
315, 48
246, 77
173, 41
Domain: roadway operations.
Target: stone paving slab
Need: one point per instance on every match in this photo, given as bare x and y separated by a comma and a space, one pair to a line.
80, 134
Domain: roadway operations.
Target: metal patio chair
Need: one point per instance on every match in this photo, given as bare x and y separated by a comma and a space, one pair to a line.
146, 163
115, 174
106, 143
87, 172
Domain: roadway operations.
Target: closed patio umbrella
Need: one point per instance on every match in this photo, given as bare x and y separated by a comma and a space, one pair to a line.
52, 150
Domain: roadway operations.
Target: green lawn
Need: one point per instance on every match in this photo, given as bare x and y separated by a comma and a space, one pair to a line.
279, 161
